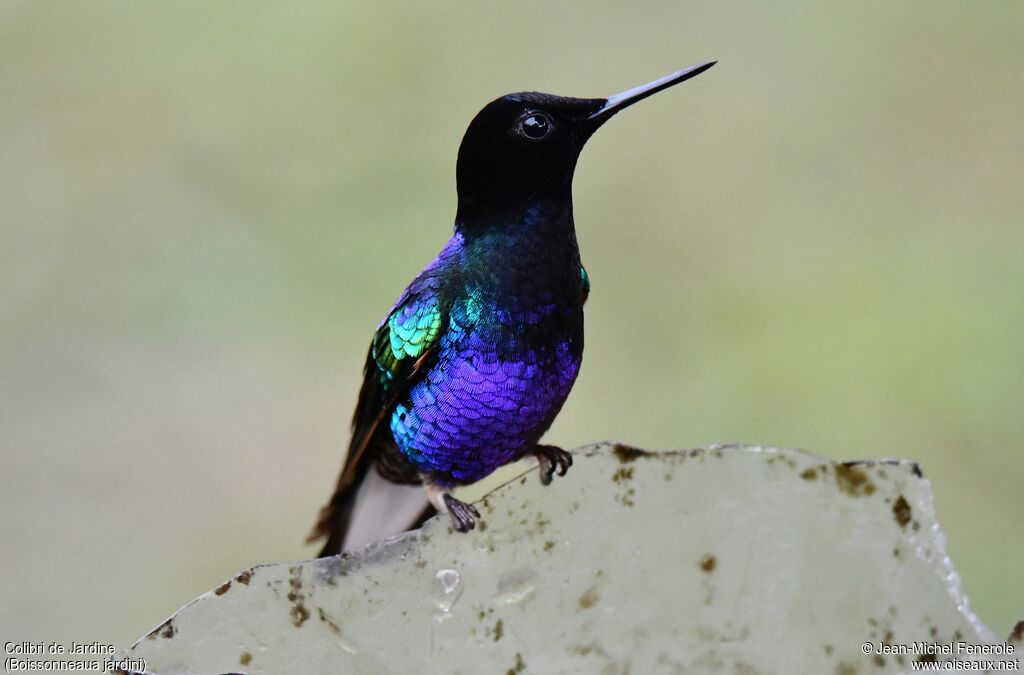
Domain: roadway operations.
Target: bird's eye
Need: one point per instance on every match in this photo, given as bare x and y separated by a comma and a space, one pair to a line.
535, 126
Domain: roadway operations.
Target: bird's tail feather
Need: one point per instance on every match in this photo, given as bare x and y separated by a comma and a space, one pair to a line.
366, 507
336, 515
383, 509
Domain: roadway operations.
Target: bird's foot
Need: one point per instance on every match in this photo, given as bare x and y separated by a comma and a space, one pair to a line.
552, 459
463, 515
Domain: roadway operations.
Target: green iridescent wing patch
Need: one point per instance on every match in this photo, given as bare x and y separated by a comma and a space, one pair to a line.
409, 331
414, 327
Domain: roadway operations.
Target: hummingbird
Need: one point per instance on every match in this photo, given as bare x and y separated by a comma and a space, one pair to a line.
471, 365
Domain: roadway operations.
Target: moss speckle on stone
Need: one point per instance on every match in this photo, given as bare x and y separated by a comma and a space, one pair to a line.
589, 598
853, 480
708, 562
901, 511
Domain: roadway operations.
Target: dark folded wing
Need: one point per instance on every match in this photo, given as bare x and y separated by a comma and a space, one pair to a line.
403, 344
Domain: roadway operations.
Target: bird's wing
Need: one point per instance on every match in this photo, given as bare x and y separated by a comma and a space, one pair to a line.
404, 342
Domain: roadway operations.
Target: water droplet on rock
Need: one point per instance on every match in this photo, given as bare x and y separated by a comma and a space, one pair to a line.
448, 589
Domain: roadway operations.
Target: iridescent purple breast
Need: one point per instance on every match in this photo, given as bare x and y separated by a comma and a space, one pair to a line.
499, 378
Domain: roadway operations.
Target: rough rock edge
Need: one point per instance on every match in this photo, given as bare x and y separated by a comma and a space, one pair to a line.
399, 545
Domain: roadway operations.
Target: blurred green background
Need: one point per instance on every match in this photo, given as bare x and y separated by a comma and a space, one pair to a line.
208, 206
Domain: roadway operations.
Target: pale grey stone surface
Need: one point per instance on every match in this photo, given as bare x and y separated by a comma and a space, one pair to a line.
719, 560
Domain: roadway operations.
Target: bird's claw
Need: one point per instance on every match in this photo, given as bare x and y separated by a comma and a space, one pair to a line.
463, 515
552, 459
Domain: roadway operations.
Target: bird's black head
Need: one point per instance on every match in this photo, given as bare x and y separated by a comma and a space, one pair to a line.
523, 147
